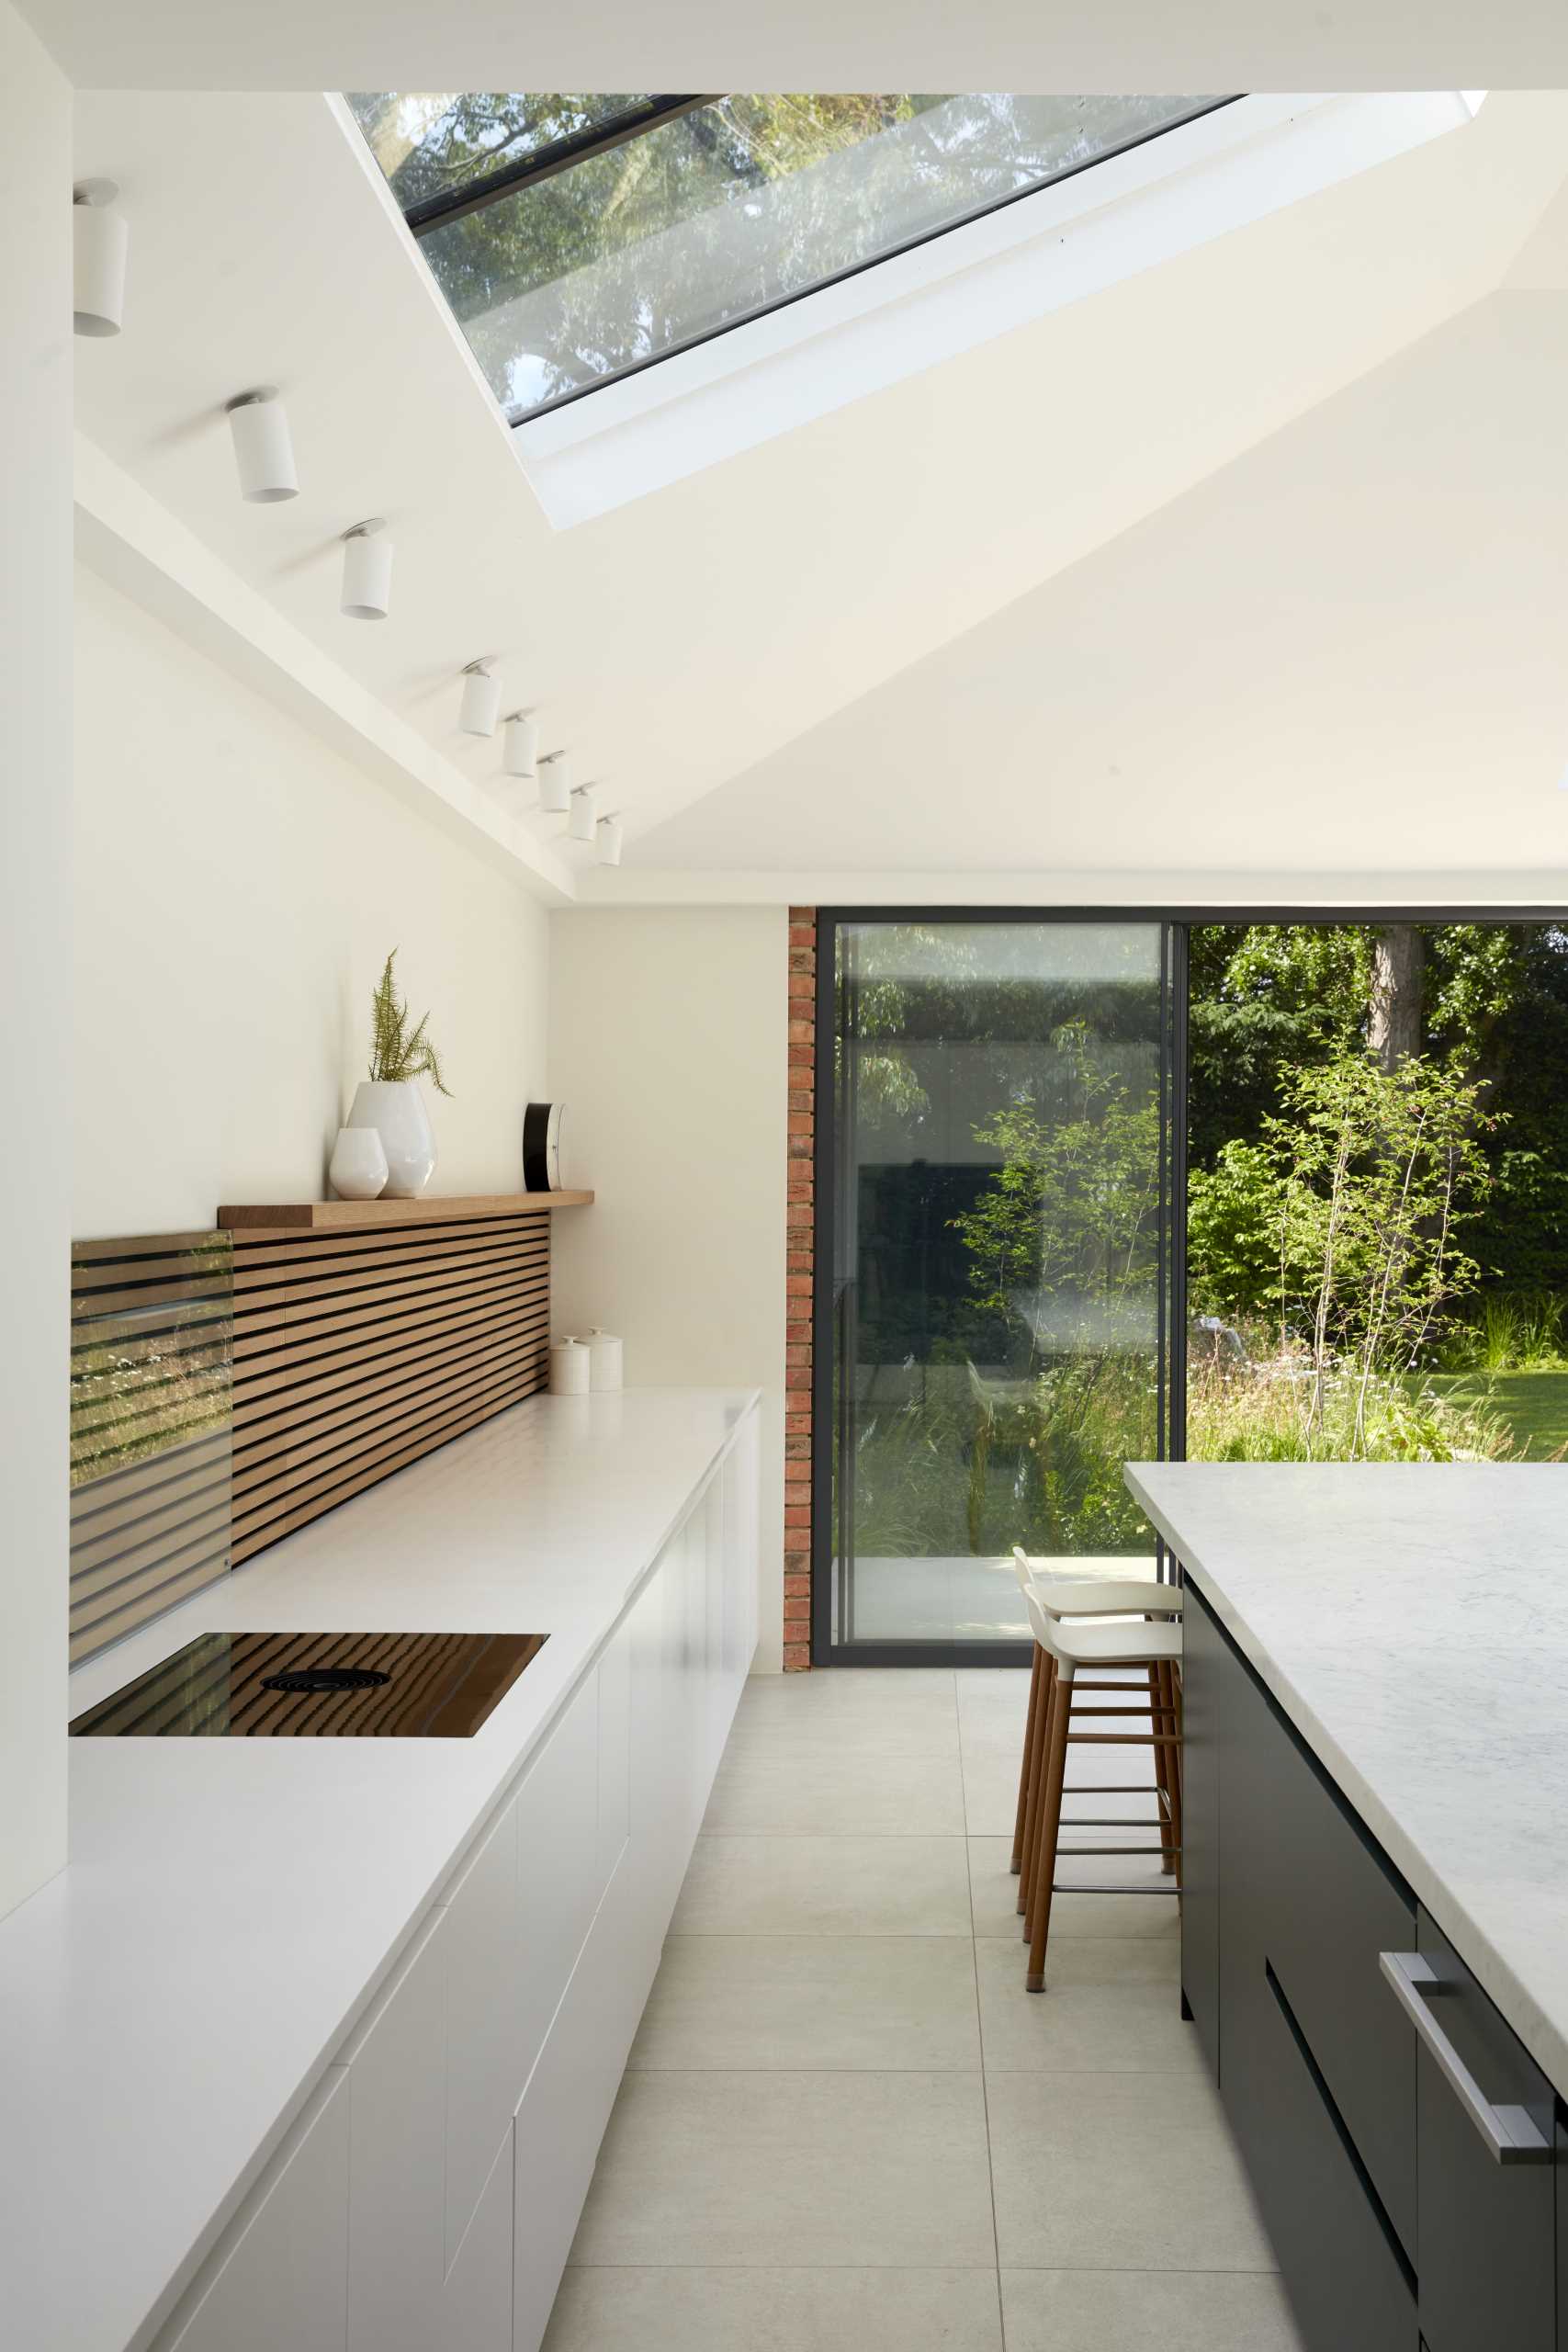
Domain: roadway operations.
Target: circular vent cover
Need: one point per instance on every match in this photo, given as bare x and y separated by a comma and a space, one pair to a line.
326, 1677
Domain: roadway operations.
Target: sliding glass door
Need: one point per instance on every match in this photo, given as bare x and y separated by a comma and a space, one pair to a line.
994, 1266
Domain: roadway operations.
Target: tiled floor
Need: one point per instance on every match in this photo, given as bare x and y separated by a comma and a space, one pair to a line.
846, 2125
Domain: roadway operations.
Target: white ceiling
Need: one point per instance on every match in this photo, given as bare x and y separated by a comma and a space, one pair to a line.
1347, 650
1037, 45
742, 636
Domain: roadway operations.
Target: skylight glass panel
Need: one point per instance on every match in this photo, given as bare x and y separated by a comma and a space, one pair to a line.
603, 242
445, 143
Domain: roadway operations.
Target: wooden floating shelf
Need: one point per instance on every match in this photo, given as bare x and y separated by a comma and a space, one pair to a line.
327, 1216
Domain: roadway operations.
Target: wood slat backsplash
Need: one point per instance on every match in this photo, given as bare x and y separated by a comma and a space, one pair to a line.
356, 1351
151, 1335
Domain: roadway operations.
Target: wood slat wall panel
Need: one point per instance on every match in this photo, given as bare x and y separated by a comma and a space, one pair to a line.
306, 1467
335, 1371
150, 1436
265, 1259
318, 1314
250, 1542
357, 1351
342, 1404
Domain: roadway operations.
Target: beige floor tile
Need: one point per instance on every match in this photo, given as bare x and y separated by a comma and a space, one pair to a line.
743, 2002
994, 1893
853, 1710
1100, 2011
776, 2311
1131, 2311
918, 1795
808, 2171
825, 1886
990, 1789
1101, 2171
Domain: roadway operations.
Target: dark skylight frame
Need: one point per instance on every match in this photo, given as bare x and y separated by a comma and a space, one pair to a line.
604, 126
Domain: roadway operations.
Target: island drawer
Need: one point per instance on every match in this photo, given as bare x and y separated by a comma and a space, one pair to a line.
1308, 1895
1351, 2286
1488, 2173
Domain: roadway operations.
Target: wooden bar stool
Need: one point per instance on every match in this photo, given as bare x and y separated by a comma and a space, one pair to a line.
1155, 1649
1073, 1593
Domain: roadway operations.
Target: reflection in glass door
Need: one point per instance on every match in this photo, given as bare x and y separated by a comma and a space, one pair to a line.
996, 1234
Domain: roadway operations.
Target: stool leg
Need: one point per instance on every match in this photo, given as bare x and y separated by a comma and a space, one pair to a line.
1024, 1763
1036, 1791
1050, 1829
1167, 1802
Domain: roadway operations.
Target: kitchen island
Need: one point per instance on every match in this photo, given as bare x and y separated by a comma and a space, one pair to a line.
1375, 1914
313, 2041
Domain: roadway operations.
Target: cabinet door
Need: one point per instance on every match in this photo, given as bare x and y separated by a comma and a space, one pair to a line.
567, 2105
476, 2302
1304, 1891
1350, 2287
1348, 2276
615, 1750
559, 1877
1204, 1665
396, 2176
281, 2277
484, 2026
1487, 2229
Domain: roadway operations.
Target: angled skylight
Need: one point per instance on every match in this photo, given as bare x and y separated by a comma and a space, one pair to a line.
579, 239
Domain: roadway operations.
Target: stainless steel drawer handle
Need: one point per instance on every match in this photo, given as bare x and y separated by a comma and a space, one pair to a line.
1508, 2131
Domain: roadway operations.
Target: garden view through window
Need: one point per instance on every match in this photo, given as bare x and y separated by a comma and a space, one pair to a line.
1365, 1256
578, 237
1000, 1261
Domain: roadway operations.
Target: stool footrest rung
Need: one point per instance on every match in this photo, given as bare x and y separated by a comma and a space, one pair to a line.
1130, 1738
1057, 1888
1069, 1853
1105, 1821
1115, 1789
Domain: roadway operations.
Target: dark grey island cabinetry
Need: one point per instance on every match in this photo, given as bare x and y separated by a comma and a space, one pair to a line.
1406, 2152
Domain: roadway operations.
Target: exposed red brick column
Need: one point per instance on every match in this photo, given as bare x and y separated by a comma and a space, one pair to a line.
797, 1281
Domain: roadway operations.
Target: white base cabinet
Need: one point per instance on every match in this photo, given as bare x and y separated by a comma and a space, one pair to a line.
476, 2301
396, 2169
428, 2196
280, 2274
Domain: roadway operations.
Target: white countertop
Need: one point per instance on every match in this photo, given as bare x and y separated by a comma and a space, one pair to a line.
231, 1905
1412, 1620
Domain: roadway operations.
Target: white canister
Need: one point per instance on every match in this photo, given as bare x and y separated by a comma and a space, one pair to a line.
568, 1368
604, 1359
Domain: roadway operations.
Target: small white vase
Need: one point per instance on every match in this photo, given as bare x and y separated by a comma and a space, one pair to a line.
396, 1109
358, 1169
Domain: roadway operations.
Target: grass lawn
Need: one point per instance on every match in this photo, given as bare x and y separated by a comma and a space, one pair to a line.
1533, 1404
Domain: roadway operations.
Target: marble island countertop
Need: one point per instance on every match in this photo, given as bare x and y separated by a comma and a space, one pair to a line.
1412, 1620
231, 1905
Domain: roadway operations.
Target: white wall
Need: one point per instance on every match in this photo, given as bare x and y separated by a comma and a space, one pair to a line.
668, 1046
35, 794
238, 883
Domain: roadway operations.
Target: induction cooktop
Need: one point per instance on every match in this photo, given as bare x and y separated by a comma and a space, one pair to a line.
318, 1686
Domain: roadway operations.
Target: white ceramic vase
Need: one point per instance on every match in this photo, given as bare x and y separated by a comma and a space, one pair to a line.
358, 1170
396, 1109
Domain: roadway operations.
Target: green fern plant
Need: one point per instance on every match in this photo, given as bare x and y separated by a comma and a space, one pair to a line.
397, 1051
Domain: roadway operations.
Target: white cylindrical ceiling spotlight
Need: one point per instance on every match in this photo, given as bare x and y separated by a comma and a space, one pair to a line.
607, 840
584, 814
262, 450
521, 744
366, 571
481, 698
100, 238
554, 783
